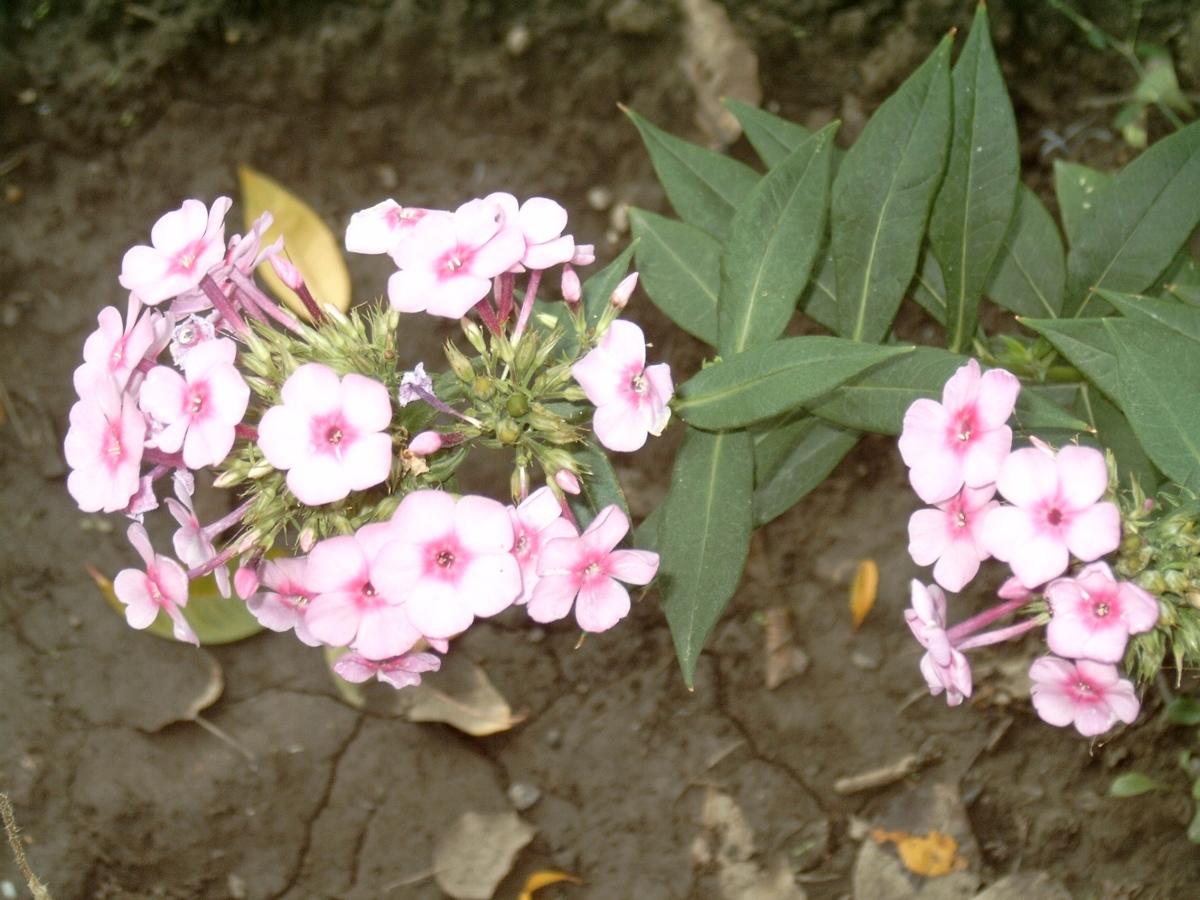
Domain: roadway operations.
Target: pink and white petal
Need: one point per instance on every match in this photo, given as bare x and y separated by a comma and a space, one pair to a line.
1094, 532
176, 229
483, 525
163, 393
1005, 530
1027, 477
997, 397
372, 539
209, 355
1123, 701
140, 539
661, 383
607, 529
625, 345
313, 388
368, 461
207, 443
424, 515
633, 566
385, 631
214, 229
498, 255
490, 584
1105, 644
90, 490
478, 221
396, 568
1139, 609
180, 627
1052, 704
599, 376
620, 427
141, 614
962, 388
454, 297
1082, 475
957, 565
319, 479
432, 237
561, 556
552, 598
365, 403
132, 588
1094, 719
228, 396
409, 289
333, 618
1052, 670
434, 609
550, 253
601, 604
172, 580
144, 270
283, 436
1098, 673
539, 509
928, 536
937, 476
925, 427
355, 668
1039, 560
370, 230
986, 455
272, 612
542, 219
335, 565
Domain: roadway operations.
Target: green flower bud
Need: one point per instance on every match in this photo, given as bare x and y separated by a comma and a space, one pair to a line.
460, 364
474, 335
1177, 582
483, 387
517, 405
508, 431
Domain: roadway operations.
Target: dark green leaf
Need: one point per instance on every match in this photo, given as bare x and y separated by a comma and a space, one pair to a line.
776, 234
772, 379
1087, 346
1139, 221
772, 137
1133, 784
975, 202
645, 533
1076, 188
1036, 412
791, 460
598, 289
1169, 313
680, 269
704, 187
600, 489
1030, 271
819, 300
1114, 433
882, 195
705, 536
1184, 711
929, 288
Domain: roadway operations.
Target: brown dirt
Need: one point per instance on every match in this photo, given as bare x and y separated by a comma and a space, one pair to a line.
137, 106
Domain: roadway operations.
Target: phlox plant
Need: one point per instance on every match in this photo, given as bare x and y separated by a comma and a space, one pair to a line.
346, 524
1063, 440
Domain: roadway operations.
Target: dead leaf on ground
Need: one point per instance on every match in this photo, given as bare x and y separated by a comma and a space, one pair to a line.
727, 842
720, 63
539, 880
932, 854
863, 590
784, 659
459, 694
474, 855
308, 242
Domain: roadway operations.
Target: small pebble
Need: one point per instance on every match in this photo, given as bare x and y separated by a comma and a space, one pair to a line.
523, 795
599, 198
518, 39
553, 738
237, 887
13, 194
8, 890
618, 219
535, 635
864, 660
27, 97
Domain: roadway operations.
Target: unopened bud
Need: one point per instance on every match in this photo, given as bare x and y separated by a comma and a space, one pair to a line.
307, 540
566, 480
245, 581
460, 364
1177, 582
526, 351
483, 388
287, 272
624, 291
263, 468
572, 290
519, 483
227, 479
474, 335
425, 443
517, 405
508, 431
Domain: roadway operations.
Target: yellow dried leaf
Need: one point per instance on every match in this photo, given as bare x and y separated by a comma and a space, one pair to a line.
862, 591
309, 244
539, 880
933, 854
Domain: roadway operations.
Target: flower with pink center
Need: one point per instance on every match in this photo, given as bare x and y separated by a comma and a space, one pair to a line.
630, 397
282, 598
1094, 614
117, 347
190, 334
1089, 695
963, 439
192, 544
399, 671
351, 603
945, 668
588, 571
200, 409
162, 586
103, 447
948, 537
451, 559
383, 227
1056, 511
447, 264
185, 244
329, 434
541, 221
536, 521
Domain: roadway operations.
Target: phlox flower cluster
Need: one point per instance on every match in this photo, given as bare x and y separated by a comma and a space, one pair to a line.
344, 528
1037, 509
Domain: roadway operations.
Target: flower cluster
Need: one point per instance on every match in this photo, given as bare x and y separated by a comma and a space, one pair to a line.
347, 529
1055, 508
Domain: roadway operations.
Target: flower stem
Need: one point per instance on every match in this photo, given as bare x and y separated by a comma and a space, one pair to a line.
222, 305
985, 618
228, 521
526, 305
995, 637
256, 297
503, 288
215, 563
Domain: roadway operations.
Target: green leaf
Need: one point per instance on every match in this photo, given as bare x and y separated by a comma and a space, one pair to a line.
1114, 433
600, 489
704, 187
1076, 188
772, 137
975, 202
1183, 711
1035, 412
1087, 346
819, 300
599, 287
1133, 784
1160, 381
705, 536
768, 380
1139, 221
791, 460
877, 400
882, 195
775, 237
1171, 314
1030, 271
929, 288
679, 267
645, 533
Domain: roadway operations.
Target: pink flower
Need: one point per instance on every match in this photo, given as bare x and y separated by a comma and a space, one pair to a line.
328, 434
571, 288
190, 334
399, 671
587, 570
963, 439
567, 482
945, 668
163, 585
284, 596
630, 397
451, 560
200, 409
192, 544
115, 349
447, 264
623, 291
187, 242
352, 603
536, 521
1094, 614
425, 444
950, 536
541, 221
1012, 589
1055, 512
103, 447
1088, 694
383, 227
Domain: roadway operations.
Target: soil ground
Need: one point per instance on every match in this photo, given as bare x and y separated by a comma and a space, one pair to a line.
113, 112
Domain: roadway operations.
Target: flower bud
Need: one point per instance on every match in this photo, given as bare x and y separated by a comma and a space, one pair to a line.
307, 540
526, 351
474, 335
1177, 582
245, 580
572, 290
624, 291
517, 405
567, 481
508, 431
483, 388
228, 479
425, 443
519, 483
459, 363
287, 273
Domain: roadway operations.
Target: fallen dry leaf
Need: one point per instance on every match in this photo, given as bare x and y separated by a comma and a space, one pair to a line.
784, 659
932, 854
863, 590
308, 242
472, 857
461, 695
539, 880
719, 63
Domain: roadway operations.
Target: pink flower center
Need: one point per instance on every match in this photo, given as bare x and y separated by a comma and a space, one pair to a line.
185, 261
1083, 691
452, 261
960, 519
1054, 516
334, 435
445, 559
331, 434
1101, 609
964, 425
118, 354
637, 383
522, 545
197, 397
